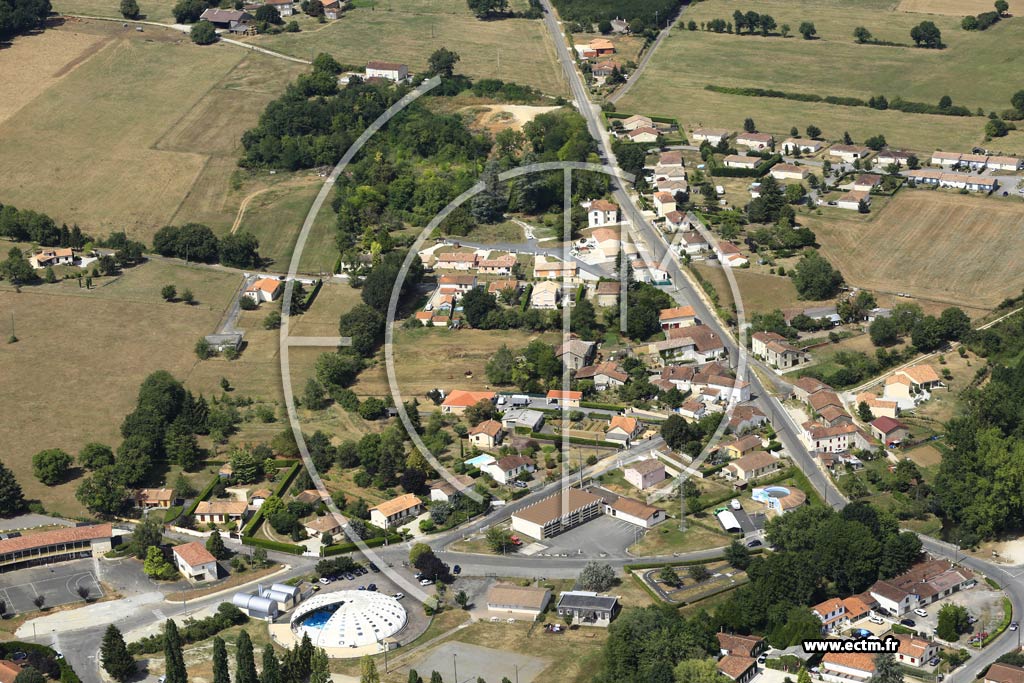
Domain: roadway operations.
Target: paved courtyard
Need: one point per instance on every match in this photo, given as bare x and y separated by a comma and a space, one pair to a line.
474, 661
599, 538
57, 583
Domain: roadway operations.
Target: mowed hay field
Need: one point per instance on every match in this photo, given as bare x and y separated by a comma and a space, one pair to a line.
81, 356
152, 10
953, 8
950, 248
518, 50
972, 70
131, 131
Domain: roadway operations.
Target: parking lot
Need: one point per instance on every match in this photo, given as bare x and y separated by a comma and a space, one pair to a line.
57, 583
601, 537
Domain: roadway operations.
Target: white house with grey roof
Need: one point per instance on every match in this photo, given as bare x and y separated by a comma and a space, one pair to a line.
588, 608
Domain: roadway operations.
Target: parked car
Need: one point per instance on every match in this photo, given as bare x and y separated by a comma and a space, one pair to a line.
456, 569
875, 619
762, 659
754, 543
324, 580
934, 661
920, 612
426, 582
349, 576
908, 622
398, 596
372, 587
1013, 625
374, 568
735, 504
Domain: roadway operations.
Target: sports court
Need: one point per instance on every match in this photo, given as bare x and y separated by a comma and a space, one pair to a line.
57, 583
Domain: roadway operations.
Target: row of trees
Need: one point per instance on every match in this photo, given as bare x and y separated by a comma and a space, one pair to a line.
926, 332
753, 22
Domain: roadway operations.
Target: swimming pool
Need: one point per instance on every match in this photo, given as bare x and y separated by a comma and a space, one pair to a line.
318, 618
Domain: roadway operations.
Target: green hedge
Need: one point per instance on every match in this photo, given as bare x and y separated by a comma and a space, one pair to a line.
572, 439
340, 548
992, 582
253, 524
312, 294
725, 172
897, 103
273, 545
1007, 616
601, 406
172, 513
203, 495
226, 616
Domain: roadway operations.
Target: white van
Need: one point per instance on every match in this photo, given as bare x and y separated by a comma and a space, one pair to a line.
735, 504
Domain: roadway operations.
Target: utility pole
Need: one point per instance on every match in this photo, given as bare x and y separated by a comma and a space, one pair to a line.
455, 667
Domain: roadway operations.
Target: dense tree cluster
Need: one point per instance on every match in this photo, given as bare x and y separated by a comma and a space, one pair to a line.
815, 278
646, 644
640, 13
927, 34
819, 552
19, 16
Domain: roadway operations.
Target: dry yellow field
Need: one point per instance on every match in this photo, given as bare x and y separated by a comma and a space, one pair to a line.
953, 8
949, 248
135, 129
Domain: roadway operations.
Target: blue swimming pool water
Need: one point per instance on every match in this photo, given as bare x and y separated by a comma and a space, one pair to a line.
317, 618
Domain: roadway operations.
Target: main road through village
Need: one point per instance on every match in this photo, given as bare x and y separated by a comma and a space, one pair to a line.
80, 641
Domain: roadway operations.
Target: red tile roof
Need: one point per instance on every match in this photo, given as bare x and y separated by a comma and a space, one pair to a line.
45, 538
193, 554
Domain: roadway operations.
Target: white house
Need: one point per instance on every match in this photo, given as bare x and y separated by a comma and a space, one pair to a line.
693, 243
729, 255
602, 212
866, 182
195, 562
487, 434
635, 512
1005, 163
678, 316
508, 468
741, 161
645, 134
915, 651
788, 172
676, 221
391, 71
945, 159
394, 512
664, 203
849, 153
446, 492
888, 157
220, 511
264, 289
53, 257
637, 121
848, 667
755, 140
852, 199
546, 295
285, 8
791, 145
710, 135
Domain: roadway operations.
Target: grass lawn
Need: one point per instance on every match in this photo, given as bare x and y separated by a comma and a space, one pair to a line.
433, 357
762, 292
947, 248
149, 128
275, 217
511, 49
152, 10
667, 538
102, 343
971, 69
498, 232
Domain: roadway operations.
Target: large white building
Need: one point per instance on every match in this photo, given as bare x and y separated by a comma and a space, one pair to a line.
348, 619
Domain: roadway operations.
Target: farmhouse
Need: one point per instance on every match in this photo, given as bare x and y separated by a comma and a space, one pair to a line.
557, 513
576, 353
889, 430
852, 200
644, 473
195, 562
849, 153
394, 512
264, 289
564, 399
679, 316
664, 203
604, 375
776, 350
52, 257
792, 145
588, 608
755, 140
643, 135
221, 511
226, 18
753, 465
825, 439
456, 402
607, 293
47, 547
741, 161
510, 600
546, 295
832, 416
487, 434
696, 343
737, 668
820, 399
866, 182
332, 9
805, 387
711, 135
508, 468
788, 172
742, 646
391, 71
693, 409
602, 212
907, 383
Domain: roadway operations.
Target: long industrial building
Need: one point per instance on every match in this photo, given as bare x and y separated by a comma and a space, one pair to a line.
55, 546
